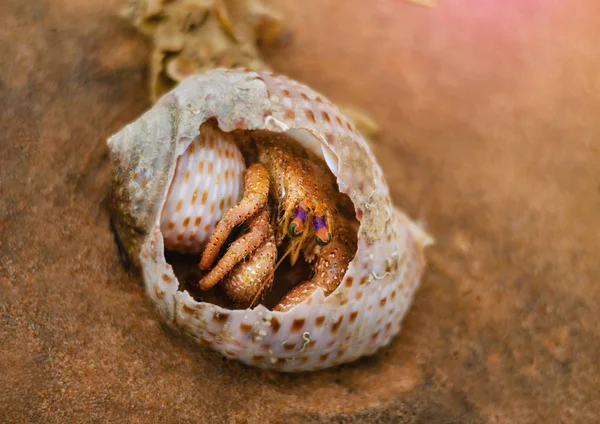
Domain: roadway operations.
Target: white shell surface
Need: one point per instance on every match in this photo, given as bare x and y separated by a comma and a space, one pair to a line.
364, 312
208, 180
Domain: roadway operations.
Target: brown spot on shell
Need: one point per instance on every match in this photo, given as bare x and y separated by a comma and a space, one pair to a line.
186, 221
298, 324
194, 196
320, 320
210, 168
220, 317
323, 357
275, 325
197, 221
290, 114
204, 197
188, 310
336, 325
310, 115
221, 204
382, 302
349, 281
353, 316
179, 204
364, 280
158, 292
305, 97
289, 346
245, 328
166, 278
171, 225
325, 115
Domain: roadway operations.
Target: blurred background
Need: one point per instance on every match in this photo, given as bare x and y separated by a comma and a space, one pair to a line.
488, 115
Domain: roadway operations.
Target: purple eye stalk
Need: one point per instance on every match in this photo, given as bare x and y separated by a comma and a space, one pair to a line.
298, 224
322, 233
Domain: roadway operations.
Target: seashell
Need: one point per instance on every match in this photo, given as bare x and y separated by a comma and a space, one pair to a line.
208, 180
366, 309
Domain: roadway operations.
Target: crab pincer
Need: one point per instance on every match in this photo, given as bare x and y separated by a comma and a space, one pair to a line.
242, 281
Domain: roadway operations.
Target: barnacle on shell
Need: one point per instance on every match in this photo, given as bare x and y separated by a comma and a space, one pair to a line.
365, 310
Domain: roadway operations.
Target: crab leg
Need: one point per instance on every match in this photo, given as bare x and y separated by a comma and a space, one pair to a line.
260, 230
249, 278
256, 191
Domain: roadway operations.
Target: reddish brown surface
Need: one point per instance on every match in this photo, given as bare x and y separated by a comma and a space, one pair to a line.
490, 118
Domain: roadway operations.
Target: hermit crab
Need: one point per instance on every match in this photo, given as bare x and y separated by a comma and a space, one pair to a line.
290, 254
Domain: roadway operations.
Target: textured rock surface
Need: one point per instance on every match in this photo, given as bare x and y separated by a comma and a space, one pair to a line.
489, 117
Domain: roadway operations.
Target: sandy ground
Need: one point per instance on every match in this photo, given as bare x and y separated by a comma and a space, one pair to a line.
490, 124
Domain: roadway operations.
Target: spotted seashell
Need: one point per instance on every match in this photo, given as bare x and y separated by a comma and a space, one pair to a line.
208, 180
367, 308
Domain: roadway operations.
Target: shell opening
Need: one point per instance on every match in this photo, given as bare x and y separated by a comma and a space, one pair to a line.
208, 184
